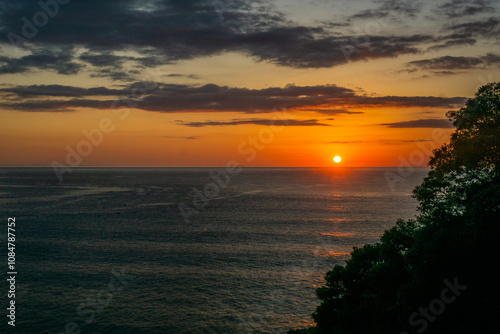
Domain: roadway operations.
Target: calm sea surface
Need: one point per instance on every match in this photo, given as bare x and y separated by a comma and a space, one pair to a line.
109, 250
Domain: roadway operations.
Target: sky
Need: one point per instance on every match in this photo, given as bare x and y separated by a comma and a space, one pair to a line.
261, 83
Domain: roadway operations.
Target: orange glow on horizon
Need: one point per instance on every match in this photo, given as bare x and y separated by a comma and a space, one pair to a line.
159, 139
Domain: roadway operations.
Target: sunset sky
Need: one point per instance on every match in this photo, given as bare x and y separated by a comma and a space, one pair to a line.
263, 83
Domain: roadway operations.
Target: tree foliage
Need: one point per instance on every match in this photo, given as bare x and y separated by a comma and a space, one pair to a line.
388, 287
476, 141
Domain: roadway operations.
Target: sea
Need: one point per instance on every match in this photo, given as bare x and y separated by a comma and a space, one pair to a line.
184, 250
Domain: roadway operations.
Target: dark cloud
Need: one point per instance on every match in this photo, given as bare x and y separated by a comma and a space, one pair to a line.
447, 63
441, 73
451, 65
174, 98
115, 74
489, 28
455, 35
178, 75
393, 8
422, 123
381, 141
467, 34
408, 101
103, 60
107, 65
62, 91
333, 111
460, 8
57, 105
267, 122
304, 47
181, 137
452, 41
62, 63
186, 98
166, 31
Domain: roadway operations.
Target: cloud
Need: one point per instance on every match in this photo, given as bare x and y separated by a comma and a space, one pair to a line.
115, 74
326, 111
44, 60
173, 98
266, 122
489, 28
409, 101
102, 60
166, 31
454, 40
300, 48
379, 141
467, 34
461, 8
181, 137
394, 8
422, 123
110, 65
116, 39
451, 65
178, 75
62, 91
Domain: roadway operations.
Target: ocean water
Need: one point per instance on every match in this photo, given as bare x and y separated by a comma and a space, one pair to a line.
109, 250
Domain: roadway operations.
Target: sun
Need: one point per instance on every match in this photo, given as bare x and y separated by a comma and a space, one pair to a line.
337, 159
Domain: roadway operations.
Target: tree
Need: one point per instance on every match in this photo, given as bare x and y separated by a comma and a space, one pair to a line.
476, 142
395, 285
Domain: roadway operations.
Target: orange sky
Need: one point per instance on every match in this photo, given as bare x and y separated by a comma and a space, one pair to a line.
211, 100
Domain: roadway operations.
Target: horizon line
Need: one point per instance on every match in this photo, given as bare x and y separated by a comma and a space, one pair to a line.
151, 167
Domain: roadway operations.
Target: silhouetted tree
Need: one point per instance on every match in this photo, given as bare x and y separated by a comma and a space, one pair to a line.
476, 142
397, 284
